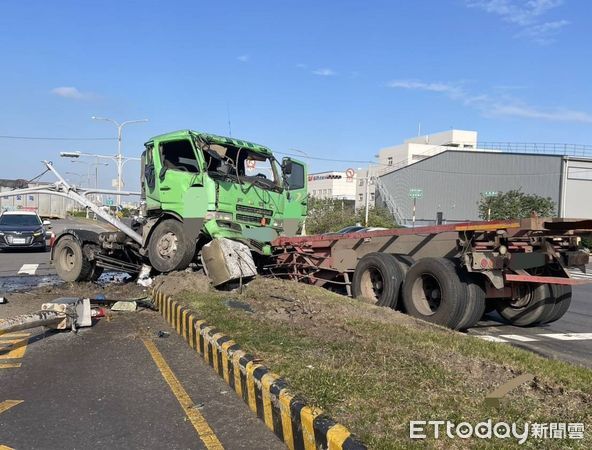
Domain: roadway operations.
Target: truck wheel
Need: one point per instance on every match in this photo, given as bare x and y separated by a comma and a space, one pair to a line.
532, 306
562, 295
475, 308
69, 260
169, 249
433, 291
378, 277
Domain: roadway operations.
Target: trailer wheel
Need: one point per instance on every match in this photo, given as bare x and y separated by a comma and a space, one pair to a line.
169, 248
433, 291
562, 295
475, 305
532, 306
378, 277
69, 260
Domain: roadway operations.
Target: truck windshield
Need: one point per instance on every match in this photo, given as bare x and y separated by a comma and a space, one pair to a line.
23, 220
243, 164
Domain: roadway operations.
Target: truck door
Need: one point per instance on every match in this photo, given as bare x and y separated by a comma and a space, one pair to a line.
179, 177
295, 175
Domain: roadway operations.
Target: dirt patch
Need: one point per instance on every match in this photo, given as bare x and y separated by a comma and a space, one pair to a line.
23, 302
177, 282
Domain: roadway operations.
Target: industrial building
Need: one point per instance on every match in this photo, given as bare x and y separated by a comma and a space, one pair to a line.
409, 152
335, 185
452, 182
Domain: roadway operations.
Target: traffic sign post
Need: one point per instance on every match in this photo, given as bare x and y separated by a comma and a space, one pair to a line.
349, 174
489, 195
415, 194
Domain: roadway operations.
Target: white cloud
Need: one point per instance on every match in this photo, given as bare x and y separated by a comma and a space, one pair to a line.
489, 105
72, 93
531, 112
527, 15
324, 72
244, 58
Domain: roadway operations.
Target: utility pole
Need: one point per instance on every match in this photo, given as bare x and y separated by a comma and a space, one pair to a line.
367, 195
119, 158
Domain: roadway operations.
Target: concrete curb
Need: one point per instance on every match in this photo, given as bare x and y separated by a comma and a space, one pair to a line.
299, 426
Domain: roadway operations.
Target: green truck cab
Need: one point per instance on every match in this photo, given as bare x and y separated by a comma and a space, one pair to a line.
198, 186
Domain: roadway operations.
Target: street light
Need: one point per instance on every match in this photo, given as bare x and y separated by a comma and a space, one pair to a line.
119, 158
70, 154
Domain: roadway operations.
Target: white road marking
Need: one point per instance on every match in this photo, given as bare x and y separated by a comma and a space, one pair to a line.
569, 336
517, 337
492, 338
28, 269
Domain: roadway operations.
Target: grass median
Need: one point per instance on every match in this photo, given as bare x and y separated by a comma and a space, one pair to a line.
375, 370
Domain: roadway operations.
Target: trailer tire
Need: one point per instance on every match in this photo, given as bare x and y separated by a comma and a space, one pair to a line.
434, 292
475, 304
562, 295
532, 307
69, 260
169, 248
378, 277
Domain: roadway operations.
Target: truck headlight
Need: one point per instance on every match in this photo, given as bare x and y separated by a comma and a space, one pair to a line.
218, 215
278, 223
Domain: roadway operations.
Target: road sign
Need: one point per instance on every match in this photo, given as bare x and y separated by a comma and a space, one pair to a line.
489, 193
415, 193
349, 173
109, 202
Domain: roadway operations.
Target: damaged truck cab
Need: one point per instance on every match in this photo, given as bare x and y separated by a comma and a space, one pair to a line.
195, 187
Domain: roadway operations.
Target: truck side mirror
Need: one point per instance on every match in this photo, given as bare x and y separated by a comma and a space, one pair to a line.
287, 166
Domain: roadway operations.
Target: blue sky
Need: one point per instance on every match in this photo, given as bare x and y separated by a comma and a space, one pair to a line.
335, 79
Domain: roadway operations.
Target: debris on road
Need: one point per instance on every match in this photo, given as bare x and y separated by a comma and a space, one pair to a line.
163, 334
123, 305
3, 300
144, 276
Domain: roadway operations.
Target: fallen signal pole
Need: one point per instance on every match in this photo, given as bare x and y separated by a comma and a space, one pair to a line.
60, 314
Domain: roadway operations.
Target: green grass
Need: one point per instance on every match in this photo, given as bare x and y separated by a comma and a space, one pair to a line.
374, 372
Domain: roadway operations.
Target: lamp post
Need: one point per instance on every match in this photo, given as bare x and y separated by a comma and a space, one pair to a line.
119, 158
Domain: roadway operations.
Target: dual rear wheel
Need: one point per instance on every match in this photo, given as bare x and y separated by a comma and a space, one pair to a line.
431, 289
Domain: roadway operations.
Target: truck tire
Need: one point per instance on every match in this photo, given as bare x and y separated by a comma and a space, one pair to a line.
533, 305
562, 296
169, 248
378, 277
433, 291
69, 260
475, 305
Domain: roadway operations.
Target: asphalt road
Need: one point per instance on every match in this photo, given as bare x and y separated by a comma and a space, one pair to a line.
105, 387
568, 339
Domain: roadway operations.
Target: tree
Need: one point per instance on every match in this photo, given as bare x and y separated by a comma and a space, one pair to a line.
515, 204
326, 215
377, 217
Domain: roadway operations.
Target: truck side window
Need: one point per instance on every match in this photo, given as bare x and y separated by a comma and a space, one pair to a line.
179, 155
296, 178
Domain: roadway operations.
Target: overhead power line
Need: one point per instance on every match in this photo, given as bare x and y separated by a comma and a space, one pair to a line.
47, 138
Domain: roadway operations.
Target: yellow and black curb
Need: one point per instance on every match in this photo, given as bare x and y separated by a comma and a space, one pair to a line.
299, 426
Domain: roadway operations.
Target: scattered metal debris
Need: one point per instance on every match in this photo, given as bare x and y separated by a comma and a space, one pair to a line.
163, 334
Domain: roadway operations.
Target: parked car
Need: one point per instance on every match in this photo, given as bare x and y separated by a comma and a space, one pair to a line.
23, 229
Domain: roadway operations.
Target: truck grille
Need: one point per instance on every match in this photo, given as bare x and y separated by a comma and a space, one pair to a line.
253, 210
245, 218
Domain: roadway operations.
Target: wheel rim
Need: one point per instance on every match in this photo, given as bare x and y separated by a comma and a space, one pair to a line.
167, 245
372, 284
67, 259
427, 294
524, 298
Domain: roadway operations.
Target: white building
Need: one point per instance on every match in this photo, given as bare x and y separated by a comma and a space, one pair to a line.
409, 152
335, 185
